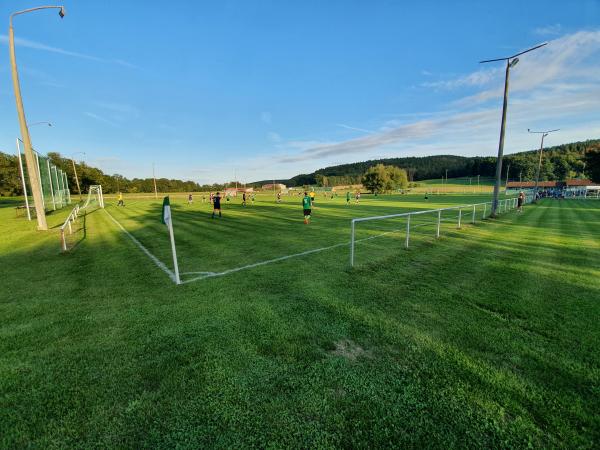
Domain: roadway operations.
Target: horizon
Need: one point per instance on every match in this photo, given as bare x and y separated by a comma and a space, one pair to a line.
268, 91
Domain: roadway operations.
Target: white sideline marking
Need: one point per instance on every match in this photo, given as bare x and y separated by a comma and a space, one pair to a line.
145, 250
261, 263
270, 261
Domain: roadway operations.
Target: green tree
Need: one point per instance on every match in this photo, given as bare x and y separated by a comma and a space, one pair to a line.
375, 178
592, 164
397, 178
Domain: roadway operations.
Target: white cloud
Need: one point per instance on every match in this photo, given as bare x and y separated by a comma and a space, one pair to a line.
479, 78
549, 30
348, 127
100, 118
556, 86
21, 42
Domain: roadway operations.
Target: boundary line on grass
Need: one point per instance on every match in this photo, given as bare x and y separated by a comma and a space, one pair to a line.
270, 261
205, 274
154, 259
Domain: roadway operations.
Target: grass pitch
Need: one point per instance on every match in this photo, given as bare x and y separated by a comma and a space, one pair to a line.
487, 337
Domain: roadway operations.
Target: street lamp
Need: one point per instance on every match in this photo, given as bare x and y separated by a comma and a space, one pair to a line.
537, 176
29, 157
75, 172
511, 61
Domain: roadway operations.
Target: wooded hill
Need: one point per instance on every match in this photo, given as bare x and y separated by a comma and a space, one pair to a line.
560, 162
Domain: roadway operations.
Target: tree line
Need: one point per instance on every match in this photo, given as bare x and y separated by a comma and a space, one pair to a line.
11, 185
574, 160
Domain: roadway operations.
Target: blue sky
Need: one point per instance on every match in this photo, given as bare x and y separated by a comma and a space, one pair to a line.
272, 89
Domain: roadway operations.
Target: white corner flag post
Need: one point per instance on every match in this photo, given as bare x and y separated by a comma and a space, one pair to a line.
167, 220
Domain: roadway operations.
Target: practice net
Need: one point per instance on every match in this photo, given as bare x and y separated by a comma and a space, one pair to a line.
54, 185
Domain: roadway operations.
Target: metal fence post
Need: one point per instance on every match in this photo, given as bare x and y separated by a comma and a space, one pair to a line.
407, 230
459, 217
352, 244
484, 210
473, 219
437, 233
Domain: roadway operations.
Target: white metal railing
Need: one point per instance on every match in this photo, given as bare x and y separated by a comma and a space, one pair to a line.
503, 206
68, 226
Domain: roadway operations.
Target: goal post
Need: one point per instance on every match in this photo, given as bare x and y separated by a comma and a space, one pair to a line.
384, 235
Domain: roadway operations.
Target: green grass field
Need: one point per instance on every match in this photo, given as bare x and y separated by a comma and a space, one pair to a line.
486, 337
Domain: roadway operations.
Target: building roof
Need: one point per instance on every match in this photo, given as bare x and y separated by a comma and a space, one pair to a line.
531, 184
579, 182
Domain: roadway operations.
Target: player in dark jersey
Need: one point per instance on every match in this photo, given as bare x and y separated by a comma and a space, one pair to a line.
306, 205
244, 199
216, 205
279, 197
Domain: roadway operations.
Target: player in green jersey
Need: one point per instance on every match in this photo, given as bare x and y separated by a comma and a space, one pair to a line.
306, 205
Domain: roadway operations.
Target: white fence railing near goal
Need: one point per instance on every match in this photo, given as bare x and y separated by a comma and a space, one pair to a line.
67, 230
464, 213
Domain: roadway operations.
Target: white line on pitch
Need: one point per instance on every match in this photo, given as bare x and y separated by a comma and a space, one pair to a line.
262, 263
144, 249
281, 258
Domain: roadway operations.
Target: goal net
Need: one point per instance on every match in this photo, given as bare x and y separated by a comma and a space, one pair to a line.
95, 198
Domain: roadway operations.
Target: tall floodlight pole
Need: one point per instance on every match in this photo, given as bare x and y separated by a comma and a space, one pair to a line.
75, 172
537, 175
511, 61
32, 170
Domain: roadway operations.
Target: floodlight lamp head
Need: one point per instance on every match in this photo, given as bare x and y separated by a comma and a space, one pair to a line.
514, 62
62, 12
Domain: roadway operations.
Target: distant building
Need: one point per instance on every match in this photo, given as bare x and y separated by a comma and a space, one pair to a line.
274, 187
233, 192
531, 184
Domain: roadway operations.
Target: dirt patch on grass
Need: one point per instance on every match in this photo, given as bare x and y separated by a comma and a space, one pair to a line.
350, 350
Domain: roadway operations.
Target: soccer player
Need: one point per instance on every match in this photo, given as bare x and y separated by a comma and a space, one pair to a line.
190, 199
120, 203
347, 197
253, 195
244, 199
306, 205
279, 197
520, 201
216, 205
312, 197
357, 196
